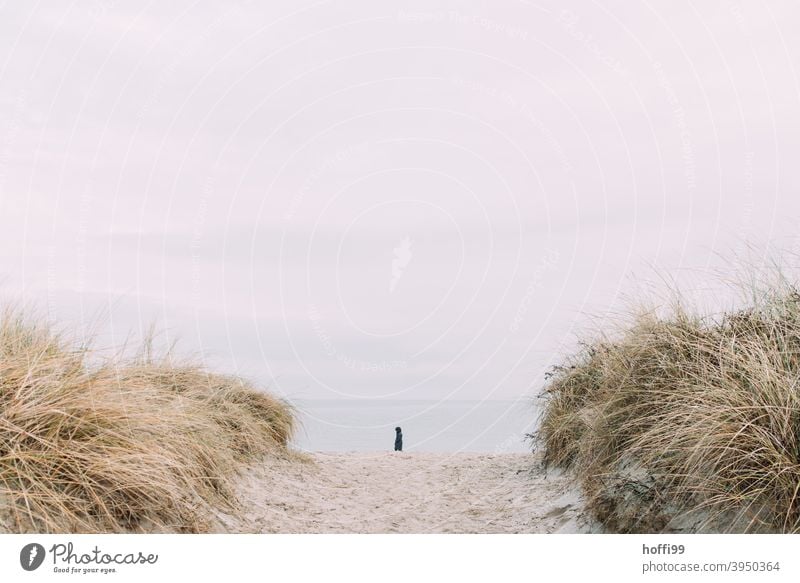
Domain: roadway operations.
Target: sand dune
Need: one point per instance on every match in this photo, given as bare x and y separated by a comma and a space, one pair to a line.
406, 493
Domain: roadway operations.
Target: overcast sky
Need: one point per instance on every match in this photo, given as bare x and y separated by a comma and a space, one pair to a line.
383, 199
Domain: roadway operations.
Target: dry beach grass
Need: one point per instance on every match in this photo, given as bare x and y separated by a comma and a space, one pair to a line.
142, 444
687, 423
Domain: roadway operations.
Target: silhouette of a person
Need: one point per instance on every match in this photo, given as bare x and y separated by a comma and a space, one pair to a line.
398, 439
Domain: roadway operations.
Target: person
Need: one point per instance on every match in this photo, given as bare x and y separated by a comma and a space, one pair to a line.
398, 439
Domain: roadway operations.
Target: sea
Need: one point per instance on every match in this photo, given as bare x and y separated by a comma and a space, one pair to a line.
489, 426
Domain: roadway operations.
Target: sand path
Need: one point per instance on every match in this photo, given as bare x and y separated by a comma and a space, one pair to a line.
406, 493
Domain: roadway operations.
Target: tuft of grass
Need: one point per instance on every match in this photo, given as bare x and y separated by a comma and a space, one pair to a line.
124, 445
685, 423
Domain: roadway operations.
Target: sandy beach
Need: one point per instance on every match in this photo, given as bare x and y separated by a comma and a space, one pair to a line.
406, 493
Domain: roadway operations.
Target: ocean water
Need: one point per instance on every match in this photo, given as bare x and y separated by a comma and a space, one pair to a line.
428, 426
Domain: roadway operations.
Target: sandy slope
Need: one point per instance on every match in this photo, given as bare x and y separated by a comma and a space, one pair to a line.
406, 493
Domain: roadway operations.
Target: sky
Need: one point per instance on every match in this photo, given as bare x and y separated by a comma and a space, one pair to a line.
371, 199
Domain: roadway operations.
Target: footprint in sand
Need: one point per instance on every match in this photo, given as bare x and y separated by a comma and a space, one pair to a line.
556, 512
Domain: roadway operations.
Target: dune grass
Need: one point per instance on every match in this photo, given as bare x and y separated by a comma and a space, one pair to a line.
685, 423
121, 445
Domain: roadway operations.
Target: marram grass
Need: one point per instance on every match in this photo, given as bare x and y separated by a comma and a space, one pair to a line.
684, 423
136, 445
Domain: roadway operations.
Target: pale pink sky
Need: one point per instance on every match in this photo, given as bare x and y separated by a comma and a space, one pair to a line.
416, 200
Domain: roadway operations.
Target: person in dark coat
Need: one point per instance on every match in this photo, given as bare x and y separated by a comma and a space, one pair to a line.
398, 439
